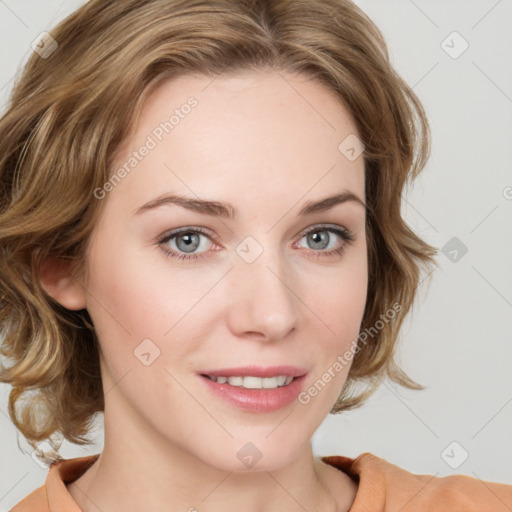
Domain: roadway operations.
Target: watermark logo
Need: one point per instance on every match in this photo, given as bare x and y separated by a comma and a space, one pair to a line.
44, 45
249, 455
351, 147
43, 447
147, 352
454, 455
249, 249
454, 45
454, 249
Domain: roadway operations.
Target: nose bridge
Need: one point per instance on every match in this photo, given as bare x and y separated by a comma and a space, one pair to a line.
263, 301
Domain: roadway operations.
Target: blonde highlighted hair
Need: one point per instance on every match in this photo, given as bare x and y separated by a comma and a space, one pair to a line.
68, 114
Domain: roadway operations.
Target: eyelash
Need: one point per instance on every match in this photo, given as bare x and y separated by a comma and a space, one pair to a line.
347, 236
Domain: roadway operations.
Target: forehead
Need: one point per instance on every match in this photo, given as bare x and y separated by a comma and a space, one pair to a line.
272, 131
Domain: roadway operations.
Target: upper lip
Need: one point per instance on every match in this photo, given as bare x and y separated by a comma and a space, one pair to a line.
258, 371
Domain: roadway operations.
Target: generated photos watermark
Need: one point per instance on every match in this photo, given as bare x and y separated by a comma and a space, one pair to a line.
344, 359
152, 140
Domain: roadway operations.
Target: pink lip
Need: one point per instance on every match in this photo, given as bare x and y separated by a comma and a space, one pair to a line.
257, 371
257, 400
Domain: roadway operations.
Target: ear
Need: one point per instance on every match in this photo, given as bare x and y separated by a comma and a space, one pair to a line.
57, 280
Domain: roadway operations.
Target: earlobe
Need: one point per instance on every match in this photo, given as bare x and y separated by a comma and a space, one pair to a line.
57, 280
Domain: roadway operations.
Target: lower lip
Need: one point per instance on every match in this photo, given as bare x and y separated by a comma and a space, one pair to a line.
257, 400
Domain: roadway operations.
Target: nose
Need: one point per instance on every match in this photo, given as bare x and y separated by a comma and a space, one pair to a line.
263, 303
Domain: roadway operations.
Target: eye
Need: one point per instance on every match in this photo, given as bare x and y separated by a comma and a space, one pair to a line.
320, 237
187, 240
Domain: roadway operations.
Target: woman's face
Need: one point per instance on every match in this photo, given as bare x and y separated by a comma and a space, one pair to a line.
266, 287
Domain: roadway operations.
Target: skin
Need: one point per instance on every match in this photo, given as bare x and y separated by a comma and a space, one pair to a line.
267, 143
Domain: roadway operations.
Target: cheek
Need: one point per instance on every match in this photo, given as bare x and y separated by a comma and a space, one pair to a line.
340, 302
340, 308
140, 298
141, 294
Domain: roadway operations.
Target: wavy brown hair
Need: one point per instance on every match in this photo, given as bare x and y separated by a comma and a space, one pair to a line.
68, 114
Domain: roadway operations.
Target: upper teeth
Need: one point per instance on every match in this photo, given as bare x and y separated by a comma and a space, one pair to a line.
251, 382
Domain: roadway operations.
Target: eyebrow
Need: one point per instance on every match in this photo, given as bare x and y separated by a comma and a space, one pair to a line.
226, 210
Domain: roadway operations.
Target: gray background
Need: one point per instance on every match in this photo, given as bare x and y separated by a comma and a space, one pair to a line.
458, 339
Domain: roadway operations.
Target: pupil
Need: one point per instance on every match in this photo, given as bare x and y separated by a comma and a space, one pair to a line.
317, 238
188, 238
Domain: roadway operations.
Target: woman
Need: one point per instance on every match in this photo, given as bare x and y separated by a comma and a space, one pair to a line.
200, 221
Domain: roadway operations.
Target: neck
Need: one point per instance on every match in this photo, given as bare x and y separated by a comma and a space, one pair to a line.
124, 480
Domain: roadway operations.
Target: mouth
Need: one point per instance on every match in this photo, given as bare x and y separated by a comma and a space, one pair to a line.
256, 389
252, 382
256, 377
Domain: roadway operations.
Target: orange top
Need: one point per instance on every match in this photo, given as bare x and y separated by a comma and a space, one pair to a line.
383, 487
